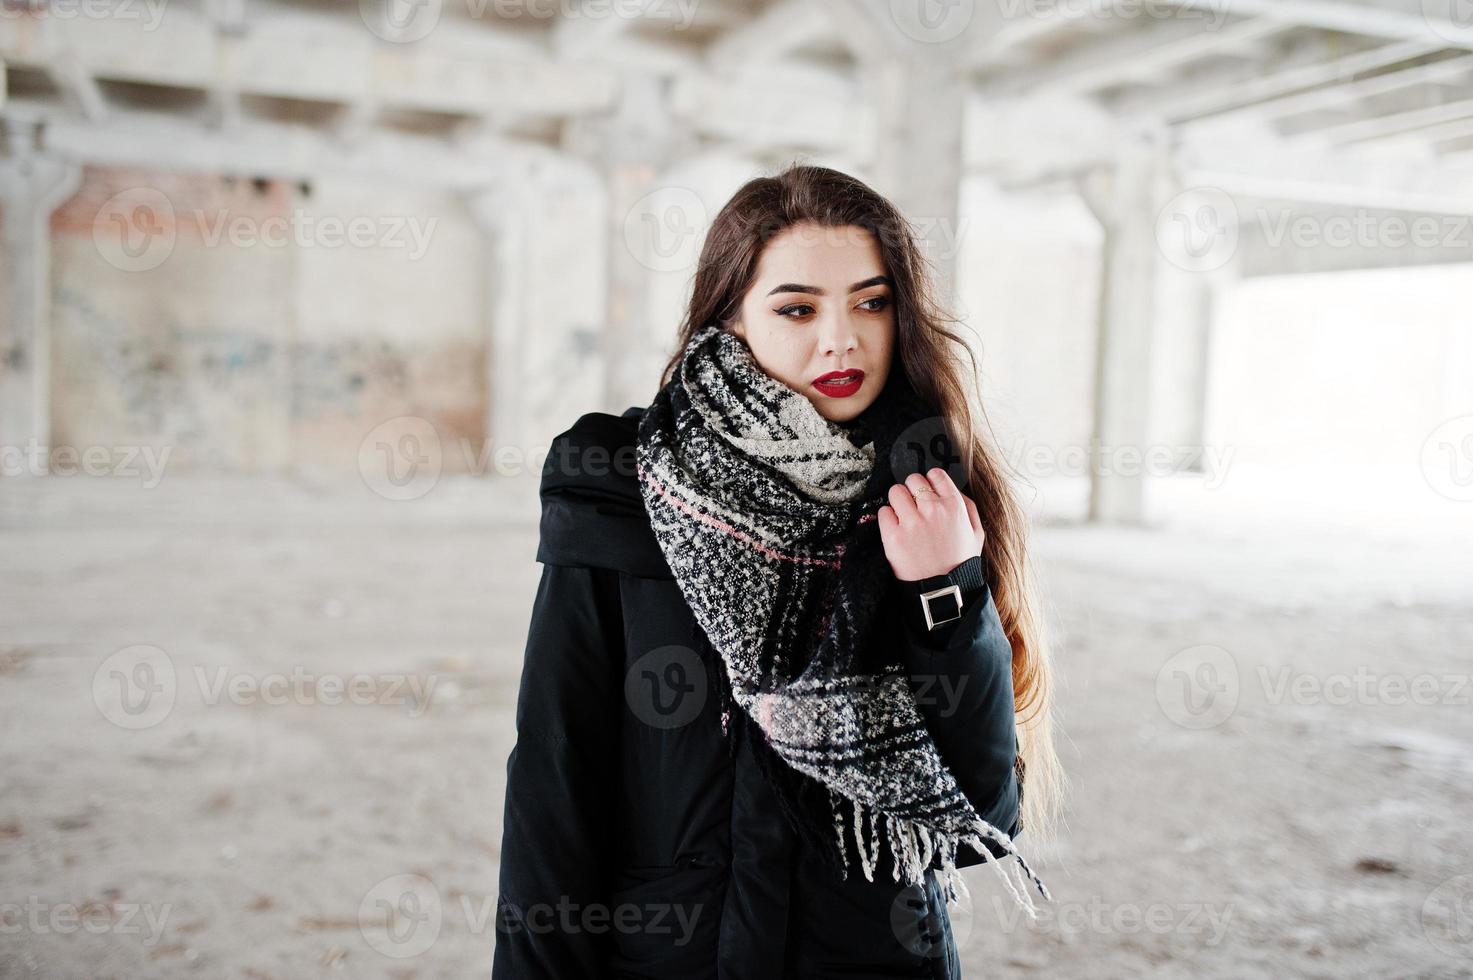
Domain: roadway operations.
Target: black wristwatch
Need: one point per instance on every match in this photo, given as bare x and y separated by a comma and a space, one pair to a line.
942, 597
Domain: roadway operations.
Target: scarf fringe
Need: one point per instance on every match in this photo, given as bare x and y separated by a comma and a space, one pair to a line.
913, 847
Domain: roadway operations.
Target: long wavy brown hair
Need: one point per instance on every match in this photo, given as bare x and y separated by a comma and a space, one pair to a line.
938, 364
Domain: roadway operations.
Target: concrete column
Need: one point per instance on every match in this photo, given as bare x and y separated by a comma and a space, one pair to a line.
503, 214
914, 61
919, 102
32, 186
543, 217
1127, 201
631, 148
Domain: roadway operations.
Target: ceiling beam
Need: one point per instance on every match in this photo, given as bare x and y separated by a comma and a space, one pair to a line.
1011, 43
581, 34
1435, 142
1337, 95
1391, 124
323, 59
78, 88
158, 142
779, 30
1330, 190
754, 109
1132, 55
1315, 174
1247, 85
1352, 18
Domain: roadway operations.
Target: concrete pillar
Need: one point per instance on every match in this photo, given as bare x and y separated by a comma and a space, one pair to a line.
630, 148
919, 102
915, 63
504, 215
1127, 201
543, 217
32, 186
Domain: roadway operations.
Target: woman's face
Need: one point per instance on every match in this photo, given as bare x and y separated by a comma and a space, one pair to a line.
821, 308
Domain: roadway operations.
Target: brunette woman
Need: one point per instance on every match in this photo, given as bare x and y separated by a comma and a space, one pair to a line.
785, 673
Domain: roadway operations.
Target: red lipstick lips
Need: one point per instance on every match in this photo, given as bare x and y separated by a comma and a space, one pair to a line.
839, 384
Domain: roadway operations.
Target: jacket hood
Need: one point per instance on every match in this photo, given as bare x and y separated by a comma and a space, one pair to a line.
592, 510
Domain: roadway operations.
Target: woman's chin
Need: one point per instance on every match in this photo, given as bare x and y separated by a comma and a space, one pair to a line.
840, 409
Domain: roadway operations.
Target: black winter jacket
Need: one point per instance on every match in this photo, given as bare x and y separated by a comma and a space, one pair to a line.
634, 844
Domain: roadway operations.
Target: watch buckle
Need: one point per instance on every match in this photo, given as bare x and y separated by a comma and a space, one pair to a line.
954, 591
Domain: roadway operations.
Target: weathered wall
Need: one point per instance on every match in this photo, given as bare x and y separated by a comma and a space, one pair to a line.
160, 337
259, 325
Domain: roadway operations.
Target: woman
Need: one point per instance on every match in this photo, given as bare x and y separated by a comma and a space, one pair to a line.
785, 672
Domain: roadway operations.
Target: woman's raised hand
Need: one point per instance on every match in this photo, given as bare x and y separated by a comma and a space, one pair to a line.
929, 527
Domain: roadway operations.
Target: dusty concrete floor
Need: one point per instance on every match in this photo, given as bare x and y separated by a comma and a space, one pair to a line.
1317, 829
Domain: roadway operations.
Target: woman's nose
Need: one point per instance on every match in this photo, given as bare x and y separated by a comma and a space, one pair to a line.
837, 336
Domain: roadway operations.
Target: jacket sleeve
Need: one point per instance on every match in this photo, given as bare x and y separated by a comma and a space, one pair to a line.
560, 779
962, 673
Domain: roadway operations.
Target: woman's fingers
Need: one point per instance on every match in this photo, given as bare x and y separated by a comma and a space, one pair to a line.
920, 488
903, 503
886, 517
941, 482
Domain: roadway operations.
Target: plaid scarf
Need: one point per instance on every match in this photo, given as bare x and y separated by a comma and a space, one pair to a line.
766, 514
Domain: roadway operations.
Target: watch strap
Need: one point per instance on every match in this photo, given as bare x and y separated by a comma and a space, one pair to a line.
933, 602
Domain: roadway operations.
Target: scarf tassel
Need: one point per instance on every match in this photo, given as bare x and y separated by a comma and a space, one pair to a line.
913, 847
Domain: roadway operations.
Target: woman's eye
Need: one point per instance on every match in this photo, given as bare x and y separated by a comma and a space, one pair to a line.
880, 303
795, 311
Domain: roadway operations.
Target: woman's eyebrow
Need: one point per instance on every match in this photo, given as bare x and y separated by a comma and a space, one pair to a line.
797, 287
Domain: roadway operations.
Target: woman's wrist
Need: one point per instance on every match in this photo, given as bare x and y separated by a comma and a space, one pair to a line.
930, 604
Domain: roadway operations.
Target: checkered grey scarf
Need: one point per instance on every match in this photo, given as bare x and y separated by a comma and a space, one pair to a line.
766, 514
